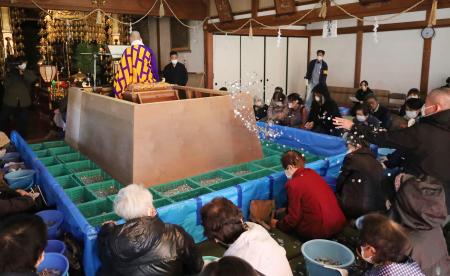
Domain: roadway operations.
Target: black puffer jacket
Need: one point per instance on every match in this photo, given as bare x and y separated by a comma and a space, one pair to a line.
147, 246
359, 186
426, 145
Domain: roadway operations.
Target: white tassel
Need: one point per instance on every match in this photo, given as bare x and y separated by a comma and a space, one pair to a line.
161, 9
375, 30
131, 28
250, 31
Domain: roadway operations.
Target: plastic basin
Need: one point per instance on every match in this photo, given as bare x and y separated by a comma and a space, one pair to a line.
55, 246
326, 250
54, 261
22, 179
53, 219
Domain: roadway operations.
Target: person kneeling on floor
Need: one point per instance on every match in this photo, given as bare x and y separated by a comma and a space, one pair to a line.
224, 224
145, 245
313, 211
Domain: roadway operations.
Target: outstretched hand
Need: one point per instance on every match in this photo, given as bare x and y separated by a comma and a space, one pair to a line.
343, 123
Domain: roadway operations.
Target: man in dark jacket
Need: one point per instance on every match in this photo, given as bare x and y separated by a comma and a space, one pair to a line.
144, 245
324, 109
316, 73
380, 112
175, 72
17, 99
426, 143
359, 185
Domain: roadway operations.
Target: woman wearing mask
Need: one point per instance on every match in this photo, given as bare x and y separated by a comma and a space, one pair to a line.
278, 109
361, 95
386, 246
363, 116
413, 108
313, 211
324, 110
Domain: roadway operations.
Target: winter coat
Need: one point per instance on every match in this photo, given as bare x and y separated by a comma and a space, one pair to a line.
12, 203
313, 210
275, 111
323, 114
296, 117
323, 71
176, 75
408, 268
147, 246
359, 185
383, 115
259, 249
420, 208
18, 88
361, 95
426, 145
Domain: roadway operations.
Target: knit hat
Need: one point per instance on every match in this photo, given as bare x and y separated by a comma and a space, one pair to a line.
4, 140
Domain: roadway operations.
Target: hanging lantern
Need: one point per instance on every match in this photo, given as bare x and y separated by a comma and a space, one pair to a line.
47, 72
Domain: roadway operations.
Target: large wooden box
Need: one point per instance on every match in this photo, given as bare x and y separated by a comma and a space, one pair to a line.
158, 142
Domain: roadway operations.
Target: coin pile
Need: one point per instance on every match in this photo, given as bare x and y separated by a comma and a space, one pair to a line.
210, 181
326, 261
177, 190
91, 179
243, 172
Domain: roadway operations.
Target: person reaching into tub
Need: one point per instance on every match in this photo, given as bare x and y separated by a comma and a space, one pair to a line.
385, 245
144, 245
313, 211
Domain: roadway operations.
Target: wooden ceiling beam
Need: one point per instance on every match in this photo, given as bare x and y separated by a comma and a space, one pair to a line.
441, 23
333, 13
224, 10
184, 9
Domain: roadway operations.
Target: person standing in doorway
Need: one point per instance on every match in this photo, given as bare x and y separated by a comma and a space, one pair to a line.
316, 73
175, 72
17, 99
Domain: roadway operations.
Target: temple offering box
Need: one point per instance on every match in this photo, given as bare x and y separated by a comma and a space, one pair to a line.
153, 136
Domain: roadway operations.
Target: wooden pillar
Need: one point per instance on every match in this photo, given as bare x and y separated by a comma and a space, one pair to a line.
255, 7
426, 58
358, 54
208, 43
309, 50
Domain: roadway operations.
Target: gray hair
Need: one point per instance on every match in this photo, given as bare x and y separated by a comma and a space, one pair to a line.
135, 35
133, 201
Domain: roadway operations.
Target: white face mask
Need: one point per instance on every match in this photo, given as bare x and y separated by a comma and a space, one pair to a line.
288, 174
411, 114
361, 118
290, 105
22, 66
320, 58
369, 259
174, 61
317, 99
413, 97
279, 104
364, 88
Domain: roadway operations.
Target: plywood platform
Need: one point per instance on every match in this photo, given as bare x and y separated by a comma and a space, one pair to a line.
160, 141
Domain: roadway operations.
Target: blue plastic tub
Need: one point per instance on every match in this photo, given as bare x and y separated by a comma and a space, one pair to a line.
329, 250
54, 220
55, 261
55, 246
22, 179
